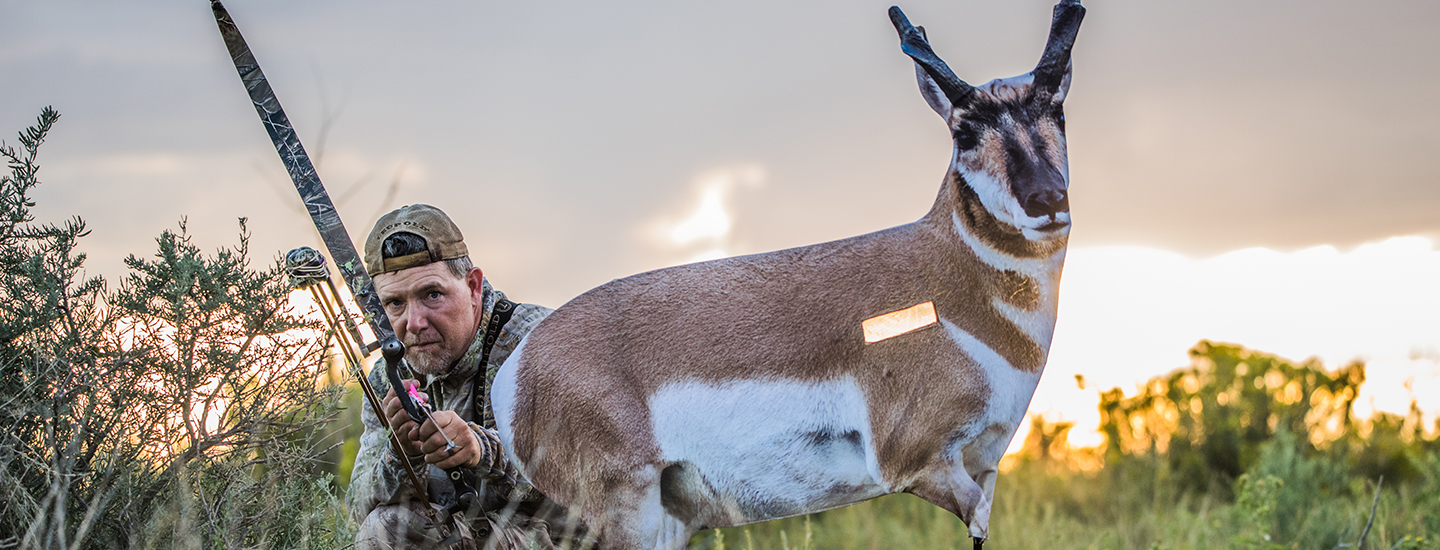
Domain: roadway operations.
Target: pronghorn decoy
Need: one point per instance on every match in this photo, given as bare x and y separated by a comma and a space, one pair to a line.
759, 387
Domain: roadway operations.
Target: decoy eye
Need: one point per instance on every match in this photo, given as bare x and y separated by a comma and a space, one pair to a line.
965, 138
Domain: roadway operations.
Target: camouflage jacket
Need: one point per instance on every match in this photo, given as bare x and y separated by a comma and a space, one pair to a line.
378, 477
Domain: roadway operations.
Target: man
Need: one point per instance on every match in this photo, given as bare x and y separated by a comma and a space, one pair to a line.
442, 308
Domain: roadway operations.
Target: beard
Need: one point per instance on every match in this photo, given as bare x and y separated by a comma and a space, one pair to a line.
431, 362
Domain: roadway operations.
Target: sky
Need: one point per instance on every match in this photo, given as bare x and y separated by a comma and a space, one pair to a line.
1253, 172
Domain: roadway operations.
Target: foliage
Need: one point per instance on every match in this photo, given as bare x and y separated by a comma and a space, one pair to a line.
1211, 418
1255, 508
59, 371
177, 411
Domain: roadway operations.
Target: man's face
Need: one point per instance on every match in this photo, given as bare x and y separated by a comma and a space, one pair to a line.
434, 313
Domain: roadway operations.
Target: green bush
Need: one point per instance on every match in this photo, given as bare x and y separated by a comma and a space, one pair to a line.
179, 411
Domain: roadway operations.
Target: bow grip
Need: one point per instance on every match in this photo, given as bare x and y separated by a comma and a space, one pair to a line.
394, 353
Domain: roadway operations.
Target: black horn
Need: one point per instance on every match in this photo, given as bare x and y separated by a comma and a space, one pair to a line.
1063, 28
913, 43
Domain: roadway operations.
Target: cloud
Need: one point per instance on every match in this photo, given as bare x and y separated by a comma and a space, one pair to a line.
147, 164
704, 232
709, 222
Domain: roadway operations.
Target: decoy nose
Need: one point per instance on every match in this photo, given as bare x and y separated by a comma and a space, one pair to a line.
1046, 203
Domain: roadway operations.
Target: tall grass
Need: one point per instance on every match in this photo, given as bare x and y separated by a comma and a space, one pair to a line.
1287, 500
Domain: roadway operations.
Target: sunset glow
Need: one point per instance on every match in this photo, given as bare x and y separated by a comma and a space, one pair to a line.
1128, 314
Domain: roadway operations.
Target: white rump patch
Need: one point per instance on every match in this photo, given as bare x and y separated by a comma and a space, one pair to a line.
900, 322
771, 449
502, 401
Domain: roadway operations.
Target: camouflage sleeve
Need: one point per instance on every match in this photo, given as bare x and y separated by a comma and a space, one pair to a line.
525, 318
378, 477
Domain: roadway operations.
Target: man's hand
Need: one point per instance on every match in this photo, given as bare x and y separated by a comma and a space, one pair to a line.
427, 439
399, 421
467, 450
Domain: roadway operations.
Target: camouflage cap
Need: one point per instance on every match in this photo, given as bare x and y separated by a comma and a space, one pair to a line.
441, 235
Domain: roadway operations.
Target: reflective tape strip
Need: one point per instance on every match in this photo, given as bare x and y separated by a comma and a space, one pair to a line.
900, 322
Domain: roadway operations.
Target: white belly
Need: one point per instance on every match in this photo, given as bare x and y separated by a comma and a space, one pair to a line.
771, 449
